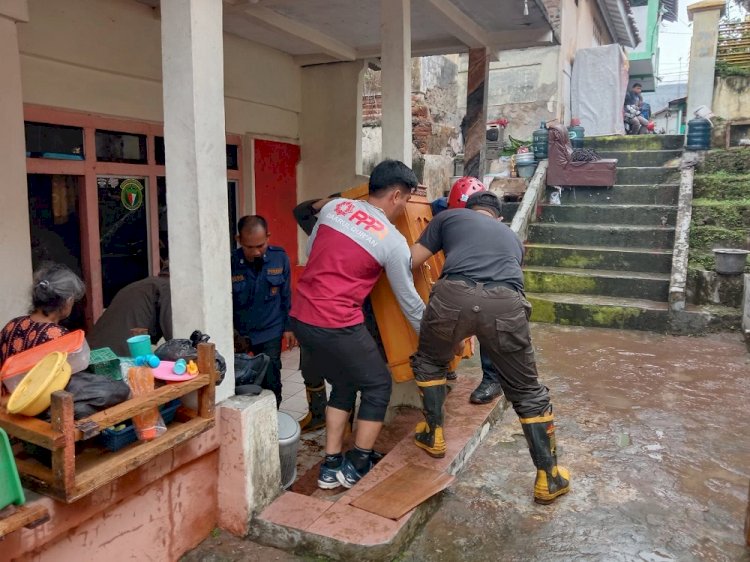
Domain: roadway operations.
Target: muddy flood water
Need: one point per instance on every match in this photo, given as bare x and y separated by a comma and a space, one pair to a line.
656, 433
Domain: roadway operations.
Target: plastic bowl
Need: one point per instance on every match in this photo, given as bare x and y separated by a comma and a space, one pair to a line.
33, 394
16, 366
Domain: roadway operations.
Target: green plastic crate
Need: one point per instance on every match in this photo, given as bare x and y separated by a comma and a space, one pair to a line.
10, 489
105, 362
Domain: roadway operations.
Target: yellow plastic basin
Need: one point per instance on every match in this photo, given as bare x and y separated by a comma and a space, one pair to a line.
33, 394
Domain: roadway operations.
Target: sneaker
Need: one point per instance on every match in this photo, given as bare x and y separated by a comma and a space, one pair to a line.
348, 476
328, 477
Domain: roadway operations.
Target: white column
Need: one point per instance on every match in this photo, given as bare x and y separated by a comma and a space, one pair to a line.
15, 244
395, 38
705, 17
194, 138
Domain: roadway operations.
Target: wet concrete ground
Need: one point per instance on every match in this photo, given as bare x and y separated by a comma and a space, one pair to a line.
656, 433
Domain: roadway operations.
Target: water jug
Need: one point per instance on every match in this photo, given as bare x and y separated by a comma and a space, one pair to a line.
575, 132
539, 142
699, 134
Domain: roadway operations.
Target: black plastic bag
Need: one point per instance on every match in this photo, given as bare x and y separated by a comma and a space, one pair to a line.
93, 393
175, 349
250, 370
249, 373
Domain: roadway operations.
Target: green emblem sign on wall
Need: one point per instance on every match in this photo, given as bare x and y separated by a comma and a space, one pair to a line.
131, 194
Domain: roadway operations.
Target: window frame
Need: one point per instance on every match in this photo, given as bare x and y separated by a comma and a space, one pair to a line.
89, 168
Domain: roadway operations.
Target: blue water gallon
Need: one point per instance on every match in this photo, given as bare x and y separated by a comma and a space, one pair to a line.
575, 132
699, 134
539, 142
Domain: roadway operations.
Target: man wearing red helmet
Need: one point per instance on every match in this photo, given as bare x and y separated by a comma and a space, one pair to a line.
480, 293
490, 387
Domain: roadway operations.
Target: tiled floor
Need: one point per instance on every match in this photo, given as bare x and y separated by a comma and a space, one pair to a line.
293, 398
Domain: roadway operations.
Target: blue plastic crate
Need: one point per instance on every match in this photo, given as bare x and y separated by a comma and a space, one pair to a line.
114, 440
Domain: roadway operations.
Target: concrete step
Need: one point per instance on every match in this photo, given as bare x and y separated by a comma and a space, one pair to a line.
635, 142
651, 286
631, 314
592, 257
649, 158
644, 194
620, 236
599, 311
636, 175
654, 215
331, 528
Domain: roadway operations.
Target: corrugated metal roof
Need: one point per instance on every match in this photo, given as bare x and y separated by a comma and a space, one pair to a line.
620, 21
669, 10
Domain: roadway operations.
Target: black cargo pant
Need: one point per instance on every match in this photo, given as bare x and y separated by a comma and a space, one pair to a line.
498, 316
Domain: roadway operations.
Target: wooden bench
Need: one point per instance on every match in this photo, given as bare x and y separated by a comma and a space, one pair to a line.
13, 518
73, 476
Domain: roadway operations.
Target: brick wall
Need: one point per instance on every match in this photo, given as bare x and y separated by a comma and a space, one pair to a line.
372, 110
421, 120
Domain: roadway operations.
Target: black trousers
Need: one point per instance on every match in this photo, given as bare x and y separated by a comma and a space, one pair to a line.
313, 379
272, 381
349, 359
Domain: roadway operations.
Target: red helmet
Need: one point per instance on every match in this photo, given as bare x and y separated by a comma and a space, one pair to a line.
462, 189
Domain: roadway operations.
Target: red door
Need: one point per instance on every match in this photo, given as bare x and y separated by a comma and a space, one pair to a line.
275, 166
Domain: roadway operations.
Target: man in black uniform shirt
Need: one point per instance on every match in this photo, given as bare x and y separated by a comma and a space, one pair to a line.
480, 293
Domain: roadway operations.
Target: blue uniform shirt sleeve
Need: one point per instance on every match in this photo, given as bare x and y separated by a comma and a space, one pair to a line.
286, 293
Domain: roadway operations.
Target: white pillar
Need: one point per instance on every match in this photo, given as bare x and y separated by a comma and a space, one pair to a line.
705, 16
195, 139
15, 243
395, 38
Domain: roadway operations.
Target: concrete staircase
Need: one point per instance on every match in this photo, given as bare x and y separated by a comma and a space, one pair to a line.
603, 257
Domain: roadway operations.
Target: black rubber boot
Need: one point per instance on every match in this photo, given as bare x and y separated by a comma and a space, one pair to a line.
429, 433
552, 480
316, 413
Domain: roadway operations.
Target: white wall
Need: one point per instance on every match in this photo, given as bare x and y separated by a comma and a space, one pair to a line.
330, 128
104, 56
703, 58
330, 132
523, 88
15, 246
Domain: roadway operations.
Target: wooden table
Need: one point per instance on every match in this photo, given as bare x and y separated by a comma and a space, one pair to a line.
72, 476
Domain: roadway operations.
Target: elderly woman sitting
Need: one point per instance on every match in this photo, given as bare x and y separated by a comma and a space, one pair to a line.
56, 289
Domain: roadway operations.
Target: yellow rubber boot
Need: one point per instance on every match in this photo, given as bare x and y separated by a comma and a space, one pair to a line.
552, 481
429, 433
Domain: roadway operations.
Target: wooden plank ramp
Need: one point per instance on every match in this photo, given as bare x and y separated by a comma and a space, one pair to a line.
402, 491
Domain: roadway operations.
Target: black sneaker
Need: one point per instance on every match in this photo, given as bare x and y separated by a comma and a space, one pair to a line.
348, 476
327, 478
